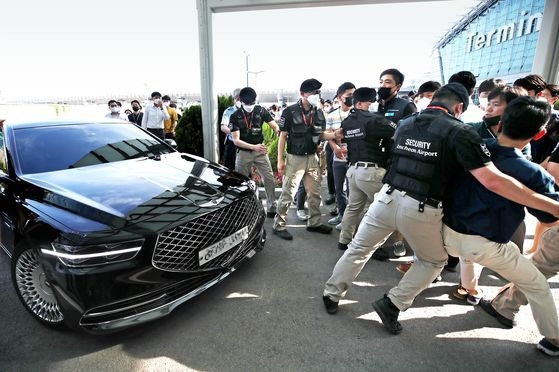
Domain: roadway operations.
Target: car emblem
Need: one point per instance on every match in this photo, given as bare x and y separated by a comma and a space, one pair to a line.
212, 203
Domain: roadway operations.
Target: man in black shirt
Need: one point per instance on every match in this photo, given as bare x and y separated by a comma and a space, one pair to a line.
302, 127
394, 109
246, 128
369, 138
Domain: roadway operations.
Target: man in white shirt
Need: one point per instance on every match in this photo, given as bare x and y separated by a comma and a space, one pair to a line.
154, 116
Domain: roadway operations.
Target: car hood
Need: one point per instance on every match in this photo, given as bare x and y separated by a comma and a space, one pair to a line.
153, 191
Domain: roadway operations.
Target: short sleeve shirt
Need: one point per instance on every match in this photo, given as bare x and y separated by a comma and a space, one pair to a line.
250, 124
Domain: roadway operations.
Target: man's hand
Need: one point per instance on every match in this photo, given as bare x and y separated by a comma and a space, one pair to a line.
339, 134
281, 166
260, 148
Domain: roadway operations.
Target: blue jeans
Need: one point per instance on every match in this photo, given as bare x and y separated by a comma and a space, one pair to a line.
340, 170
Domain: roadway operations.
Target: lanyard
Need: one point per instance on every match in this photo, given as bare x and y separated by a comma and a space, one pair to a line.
438, 108
305, 117
248, 122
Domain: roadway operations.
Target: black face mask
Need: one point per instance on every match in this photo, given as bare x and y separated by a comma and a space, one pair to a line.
135, 108
491, 121
384, 92
348, 101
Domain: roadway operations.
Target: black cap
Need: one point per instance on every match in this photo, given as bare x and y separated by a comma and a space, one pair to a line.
310, 85
247, 95
459, 91
364, 94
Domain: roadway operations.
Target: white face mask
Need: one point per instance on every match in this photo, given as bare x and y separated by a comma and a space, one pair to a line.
314, 99
238, 104
248, 108
422, 103
114, 110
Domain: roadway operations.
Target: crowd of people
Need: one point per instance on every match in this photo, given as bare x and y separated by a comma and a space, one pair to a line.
442, 175
159, 117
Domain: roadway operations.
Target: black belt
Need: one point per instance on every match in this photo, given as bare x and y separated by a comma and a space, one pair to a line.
422, 200
241, 149
364, 164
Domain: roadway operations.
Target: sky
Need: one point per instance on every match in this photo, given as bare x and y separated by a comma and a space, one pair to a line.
68, 48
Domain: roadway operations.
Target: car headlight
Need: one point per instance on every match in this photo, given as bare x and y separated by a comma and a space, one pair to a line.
92, 255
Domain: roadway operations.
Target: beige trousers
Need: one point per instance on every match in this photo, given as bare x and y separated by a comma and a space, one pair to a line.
422, 230
299, 167
530, 285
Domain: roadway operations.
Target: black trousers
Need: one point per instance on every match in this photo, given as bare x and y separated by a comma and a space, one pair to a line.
330, 171
229, 154
157, 132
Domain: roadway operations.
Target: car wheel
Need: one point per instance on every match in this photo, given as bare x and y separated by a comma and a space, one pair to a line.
34, 289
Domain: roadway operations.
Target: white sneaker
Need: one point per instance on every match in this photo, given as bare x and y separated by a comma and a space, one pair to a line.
339, 227
302, 215
335, 220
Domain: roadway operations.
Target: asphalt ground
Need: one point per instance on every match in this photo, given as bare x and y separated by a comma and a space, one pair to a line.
269, 316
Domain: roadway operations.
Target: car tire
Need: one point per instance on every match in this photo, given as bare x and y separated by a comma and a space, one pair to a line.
34, 290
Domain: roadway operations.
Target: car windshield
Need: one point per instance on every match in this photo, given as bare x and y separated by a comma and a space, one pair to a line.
57, 147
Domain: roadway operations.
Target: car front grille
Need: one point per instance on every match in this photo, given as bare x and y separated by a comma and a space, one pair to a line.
177, 249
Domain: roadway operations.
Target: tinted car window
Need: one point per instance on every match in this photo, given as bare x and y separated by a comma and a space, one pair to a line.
57, 147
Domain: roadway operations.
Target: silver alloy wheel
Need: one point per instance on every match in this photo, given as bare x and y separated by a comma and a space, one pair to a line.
34, 288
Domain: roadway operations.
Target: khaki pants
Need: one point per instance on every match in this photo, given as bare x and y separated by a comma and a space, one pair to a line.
422, 230
243, 164
363, 184
530, 285
299, 167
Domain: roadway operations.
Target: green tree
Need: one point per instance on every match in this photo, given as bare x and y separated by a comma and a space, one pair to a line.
189, 131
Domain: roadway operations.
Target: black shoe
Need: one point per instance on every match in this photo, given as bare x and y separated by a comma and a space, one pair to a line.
489, 309
330, 200
323, 229
388, 314
342, 246
380, 255
270, 214
331, 306
284, 234
334, 211
452, 269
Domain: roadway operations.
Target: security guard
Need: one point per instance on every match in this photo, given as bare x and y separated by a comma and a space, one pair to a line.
390, 105
246, 128
430, 150
369, 138
302, 127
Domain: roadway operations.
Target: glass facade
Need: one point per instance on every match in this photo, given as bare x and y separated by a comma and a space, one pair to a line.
497, 40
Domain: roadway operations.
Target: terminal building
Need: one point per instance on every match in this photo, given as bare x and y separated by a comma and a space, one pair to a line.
504, 39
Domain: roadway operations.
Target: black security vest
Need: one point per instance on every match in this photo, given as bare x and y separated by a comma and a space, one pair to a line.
253, 132
419, 152
362, 144
305, 131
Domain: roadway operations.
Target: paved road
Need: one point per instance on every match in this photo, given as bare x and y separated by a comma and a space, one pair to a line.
268, 316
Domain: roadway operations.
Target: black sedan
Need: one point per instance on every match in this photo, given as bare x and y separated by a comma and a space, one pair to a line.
107, 226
